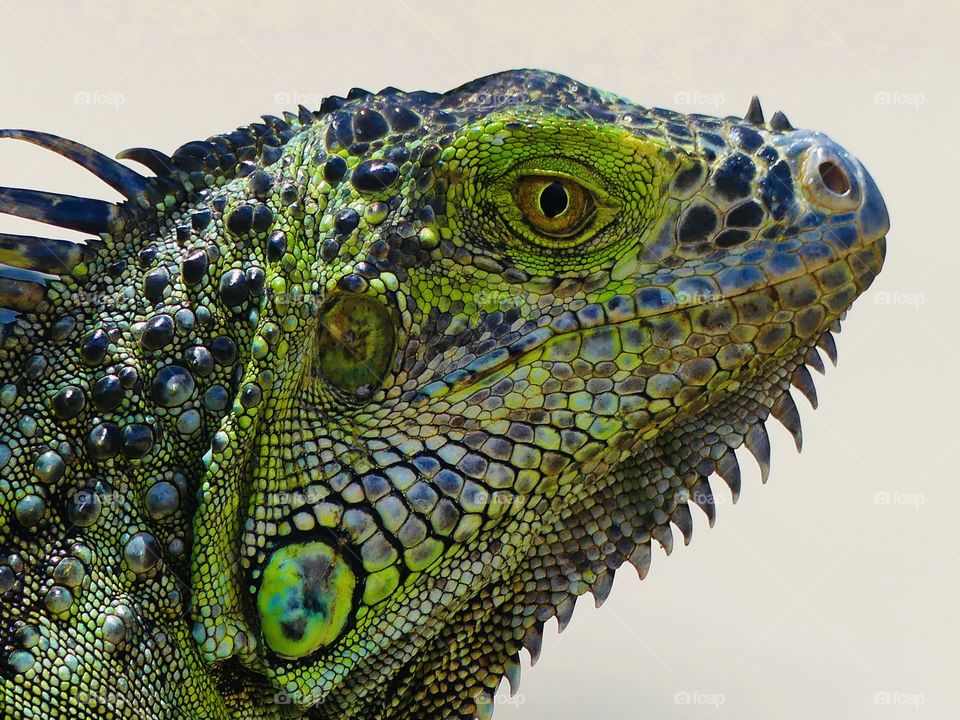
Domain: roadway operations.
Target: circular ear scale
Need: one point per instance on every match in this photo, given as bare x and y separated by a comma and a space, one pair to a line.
306, 598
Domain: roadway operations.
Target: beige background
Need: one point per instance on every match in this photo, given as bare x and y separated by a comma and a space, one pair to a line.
833, 591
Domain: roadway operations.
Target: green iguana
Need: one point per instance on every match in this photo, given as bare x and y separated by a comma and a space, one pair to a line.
336, 410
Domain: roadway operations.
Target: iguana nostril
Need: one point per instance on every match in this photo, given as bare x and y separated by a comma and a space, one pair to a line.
834, 177
829, 179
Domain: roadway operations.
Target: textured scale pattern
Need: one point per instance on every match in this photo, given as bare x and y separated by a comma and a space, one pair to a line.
336, 410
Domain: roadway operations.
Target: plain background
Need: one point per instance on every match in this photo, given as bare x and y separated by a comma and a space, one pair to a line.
830, 593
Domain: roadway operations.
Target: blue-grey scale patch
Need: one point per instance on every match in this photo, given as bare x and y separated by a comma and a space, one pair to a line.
688, 179
733, 178
732, 236
776, 190
811, 219
747, 214
698, 223
873, 212
768, 154
747, 138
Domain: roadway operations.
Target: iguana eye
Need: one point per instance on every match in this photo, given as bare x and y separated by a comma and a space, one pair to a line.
554, 206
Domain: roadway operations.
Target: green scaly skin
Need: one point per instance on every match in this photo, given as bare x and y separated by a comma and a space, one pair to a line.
336, 411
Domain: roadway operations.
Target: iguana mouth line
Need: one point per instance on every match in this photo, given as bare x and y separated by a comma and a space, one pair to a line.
494, 361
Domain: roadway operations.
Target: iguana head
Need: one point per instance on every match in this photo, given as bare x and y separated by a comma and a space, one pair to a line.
380, 389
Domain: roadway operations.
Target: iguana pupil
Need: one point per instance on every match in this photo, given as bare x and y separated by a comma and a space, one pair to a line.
553, 200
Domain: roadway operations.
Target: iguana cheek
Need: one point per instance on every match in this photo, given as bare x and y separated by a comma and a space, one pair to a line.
306, 598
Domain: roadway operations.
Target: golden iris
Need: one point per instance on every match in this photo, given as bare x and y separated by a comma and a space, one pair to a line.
554, 206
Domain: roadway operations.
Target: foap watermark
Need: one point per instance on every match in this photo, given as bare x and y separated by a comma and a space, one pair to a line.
295, 297
292, 98
695, 97
898, 97
699, 698
703, 498
496, 98
899, 698
493, 300
99, 97
98, 300
301, 698
897, 297
698, 298
89, 498
899, 498
477, 495
505, 698
297, 498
